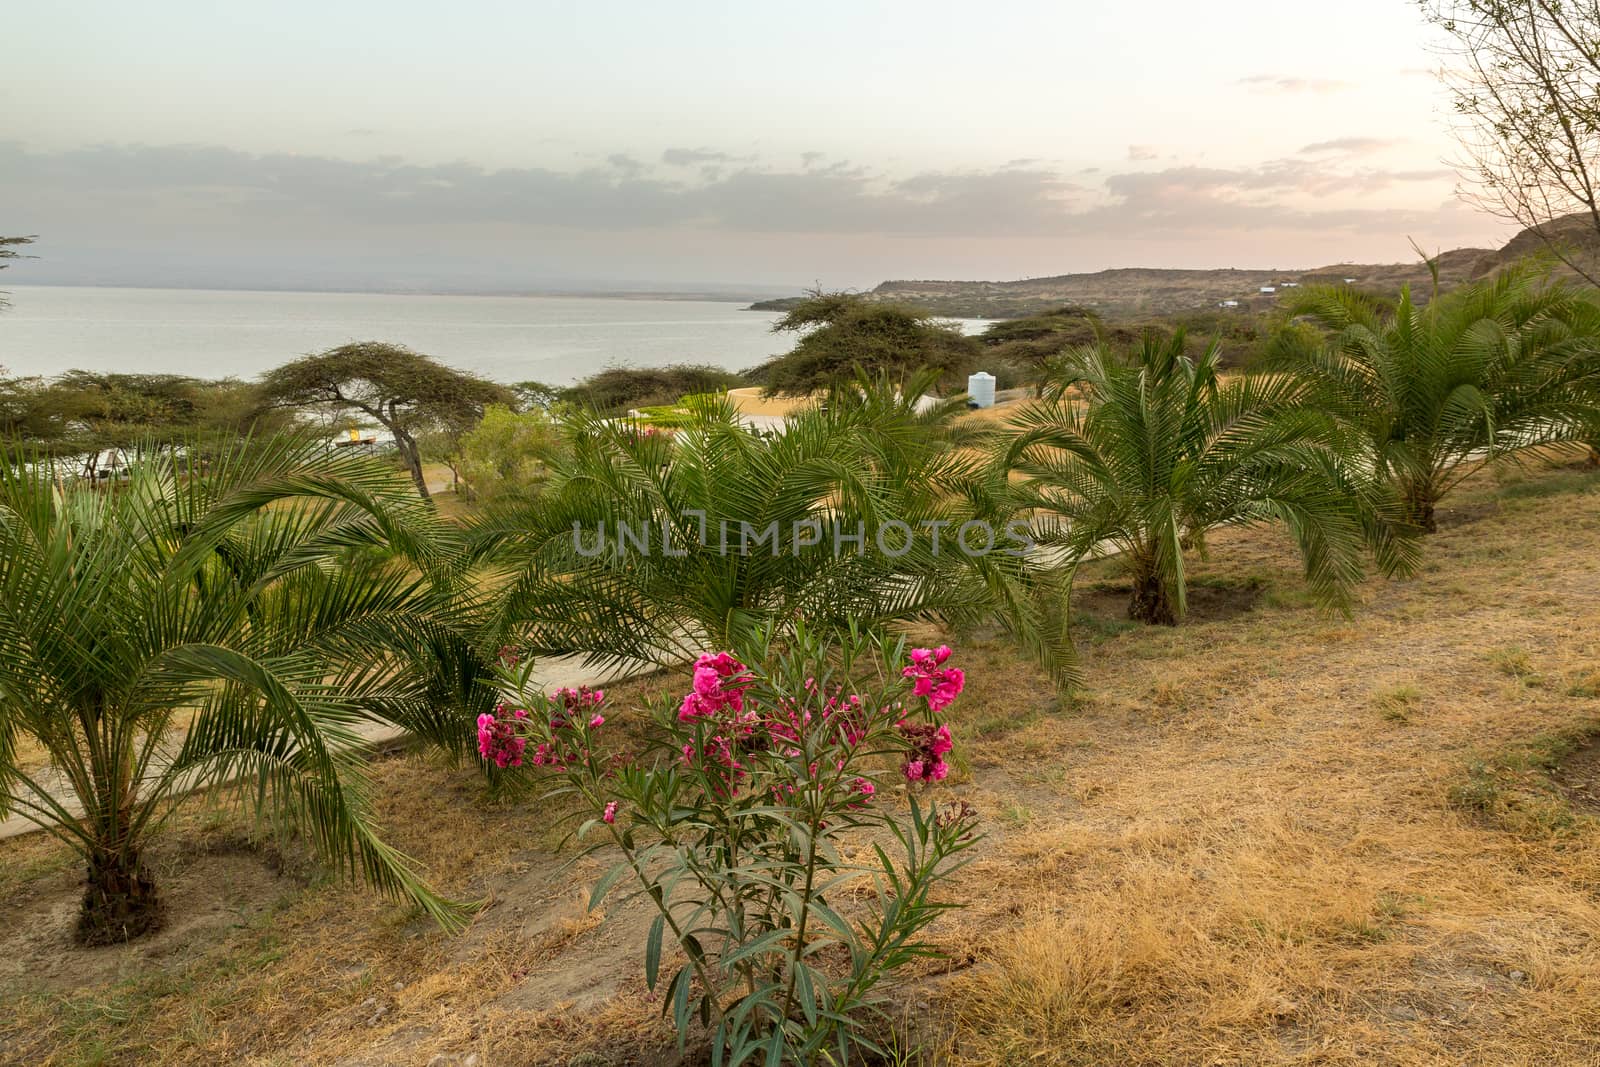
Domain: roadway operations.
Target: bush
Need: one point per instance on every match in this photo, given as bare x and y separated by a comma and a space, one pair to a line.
616, 390
732, 820
510, 452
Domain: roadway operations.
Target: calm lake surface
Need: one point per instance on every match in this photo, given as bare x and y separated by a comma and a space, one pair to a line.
217, 334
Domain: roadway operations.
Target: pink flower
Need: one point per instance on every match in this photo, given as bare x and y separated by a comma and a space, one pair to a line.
711, 691
927, 745
498, 740
938, 684
598, 720
610, 815
864, 790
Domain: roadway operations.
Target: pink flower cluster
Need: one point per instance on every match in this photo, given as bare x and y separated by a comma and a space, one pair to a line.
928, 745
938, 683
500, 739
575, 705
712, 692
727, 731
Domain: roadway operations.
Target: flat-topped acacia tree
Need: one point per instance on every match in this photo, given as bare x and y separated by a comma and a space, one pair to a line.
406, 392
8, 251
844, 336
229, 622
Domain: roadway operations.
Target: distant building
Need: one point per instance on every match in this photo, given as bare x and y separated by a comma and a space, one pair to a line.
1291, 285
1349, 281
1269, 289
1228, 304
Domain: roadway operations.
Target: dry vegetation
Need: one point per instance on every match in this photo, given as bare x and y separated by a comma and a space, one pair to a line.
1269, 836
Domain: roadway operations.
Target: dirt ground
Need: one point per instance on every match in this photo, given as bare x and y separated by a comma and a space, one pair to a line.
1269, 836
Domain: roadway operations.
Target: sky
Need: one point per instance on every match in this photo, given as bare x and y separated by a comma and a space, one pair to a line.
610, 144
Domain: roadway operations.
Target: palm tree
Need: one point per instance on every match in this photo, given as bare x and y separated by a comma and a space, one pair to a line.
1434, 392
1145, 454
229, 621
651, 546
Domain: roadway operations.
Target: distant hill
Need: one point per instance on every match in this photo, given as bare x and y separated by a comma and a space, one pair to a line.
1140, 291
1576, 234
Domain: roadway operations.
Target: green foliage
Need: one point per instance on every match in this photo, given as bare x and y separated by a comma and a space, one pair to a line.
533, 394
750, 520
1432, 393
732, 823
85, 413
845, 336
1147, 452
407, 393
1021, 349
230, 622
510, 453
617, 390
8, 251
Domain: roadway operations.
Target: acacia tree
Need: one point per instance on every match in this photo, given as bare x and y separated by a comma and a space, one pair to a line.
845, 335
1525, 80
408, 393
8, 251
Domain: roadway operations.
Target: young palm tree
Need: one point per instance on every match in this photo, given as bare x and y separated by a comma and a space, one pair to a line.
729, 529
1434, 392
232, 624
1145, 454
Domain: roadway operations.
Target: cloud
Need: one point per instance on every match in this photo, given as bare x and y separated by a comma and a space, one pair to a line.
1349, 146
625, 163
206, 191
1139, 152
689, 157
1279, 83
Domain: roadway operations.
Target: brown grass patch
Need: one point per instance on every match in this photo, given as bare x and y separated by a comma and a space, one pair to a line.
1269, 836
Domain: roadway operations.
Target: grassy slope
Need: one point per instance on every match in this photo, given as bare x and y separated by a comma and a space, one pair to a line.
1270, 836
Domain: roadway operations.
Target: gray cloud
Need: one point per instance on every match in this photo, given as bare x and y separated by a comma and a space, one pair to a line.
1279, 83
689, 157
625, 163
1139, 152
209, 190
1348, 146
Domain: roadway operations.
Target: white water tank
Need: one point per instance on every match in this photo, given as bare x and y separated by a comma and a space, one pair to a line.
980, 387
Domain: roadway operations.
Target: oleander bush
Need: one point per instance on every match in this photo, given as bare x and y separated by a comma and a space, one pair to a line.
759, 808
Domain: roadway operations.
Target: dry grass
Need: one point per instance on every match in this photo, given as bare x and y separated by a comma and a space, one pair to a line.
1270, 836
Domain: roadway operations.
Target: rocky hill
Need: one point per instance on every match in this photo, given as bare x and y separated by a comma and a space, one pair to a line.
1139, 291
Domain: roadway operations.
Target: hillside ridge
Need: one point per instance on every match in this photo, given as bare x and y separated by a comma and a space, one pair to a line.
1126, 291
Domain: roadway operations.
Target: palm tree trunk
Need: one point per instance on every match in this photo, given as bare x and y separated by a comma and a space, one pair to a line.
119, 899
1420, 500
1150, 602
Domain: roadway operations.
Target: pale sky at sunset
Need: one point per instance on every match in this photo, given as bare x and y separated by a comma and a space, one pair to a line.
528, 145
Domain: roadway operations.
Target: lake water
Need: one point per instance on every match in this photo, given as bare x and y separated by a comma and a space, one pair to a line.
216, 334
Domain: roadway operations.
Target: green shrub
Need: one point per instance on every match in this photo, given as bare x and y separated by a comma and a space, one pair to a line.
733, 822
